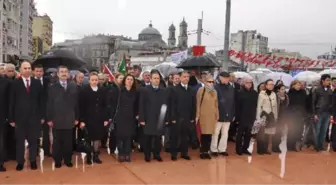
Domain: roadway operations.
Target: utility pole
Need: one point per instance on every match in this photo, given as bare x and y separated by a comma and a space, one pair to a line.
226, 57
242, 66
199, 31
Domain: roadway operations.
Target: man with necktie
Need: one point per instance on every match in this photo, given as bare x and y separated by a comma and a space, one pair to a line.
25, 114
62, 115
183, 113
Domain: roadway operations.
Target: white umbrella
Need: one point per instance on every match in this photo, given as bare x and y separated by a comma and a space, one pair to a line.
239, 74
264, 70
331, 72
258, 77
286, 78
307, 76
166, 68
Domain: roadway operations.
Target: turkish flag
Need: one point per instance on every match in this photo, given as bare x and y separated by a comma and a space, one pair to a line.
107, 71
198, 50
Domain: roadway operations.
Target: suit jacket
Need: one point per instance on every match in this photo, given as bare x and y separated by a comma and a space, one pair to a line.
25, 108
4, 97
62, 105
183, 106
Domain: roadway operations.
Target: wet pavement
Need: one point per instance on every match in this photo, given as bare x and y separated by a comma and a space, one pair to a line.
307, 167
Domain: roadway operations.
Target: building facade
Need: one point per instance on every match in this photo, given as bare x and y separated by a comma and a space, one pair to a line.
27, 11
328, 55
183, 37
172, 37
43, 28
37, 47
248, 41
10, 29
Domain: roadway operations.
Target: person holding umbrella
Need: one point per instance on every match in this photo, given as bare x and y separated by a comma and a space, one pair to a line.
207, 114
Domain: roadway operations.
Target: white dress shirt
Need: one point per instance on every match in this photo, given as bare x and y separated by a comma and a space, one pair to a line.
25, 81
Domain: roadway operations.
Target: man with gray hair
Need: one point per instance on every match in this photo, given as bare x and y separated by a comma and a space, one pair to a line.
10, 71
2, 69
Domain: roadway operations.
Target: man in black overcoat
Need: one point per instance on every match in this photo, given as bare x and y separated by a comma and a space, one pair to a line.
25, 114
183, 112
62, 115
4, 94
38, 73
151, 100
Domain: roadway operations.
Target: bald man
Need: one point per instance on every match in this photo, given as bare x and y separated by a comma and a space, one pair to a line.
25, 114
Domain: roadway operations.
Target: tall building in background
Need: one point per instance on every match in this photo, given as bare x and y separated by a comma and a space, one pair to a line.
27, 12
10, 35
42, 28
249, 41
183, 37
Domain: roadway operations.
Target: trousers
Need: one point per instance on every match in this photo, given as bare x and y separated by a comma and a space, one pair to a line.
151, 145
223, 129
62, 146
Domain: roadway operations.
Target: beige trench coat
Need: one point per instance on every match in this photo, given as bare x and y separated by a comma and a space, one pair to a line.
207, 113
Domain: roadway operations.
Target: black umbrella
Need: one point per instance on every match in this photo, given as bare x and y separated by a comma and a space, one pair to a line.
57, 57
198, 62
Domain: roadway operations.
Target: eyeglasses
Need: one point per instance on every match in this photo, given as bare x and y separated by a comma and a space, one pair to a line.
211, 82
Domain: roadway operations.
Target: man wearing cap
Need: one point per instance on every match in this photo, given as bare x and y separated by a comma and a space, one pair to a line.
226, 106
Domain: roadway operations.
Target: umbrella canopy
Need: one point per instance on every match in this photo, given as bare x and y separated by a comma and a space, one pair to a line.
198, 62
308, 76
57, 57
258, 77
331, 72
51, 70
167, 68
239, 74
265, 70
286, 78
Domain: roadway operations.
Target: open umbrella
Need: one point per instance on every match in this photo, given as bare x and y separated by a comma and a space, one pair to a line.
57, 57
198, 62
166, 68
286, 78
307, 76
239, 74
331, 72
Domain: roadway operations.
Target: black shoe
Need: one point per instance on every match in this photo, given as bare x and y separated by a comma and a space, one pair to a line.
202, 156
128, 159
173, 158
215, 154
239, 153
69, 164
19, 167
268, 153
2, 168
261, 153
58, 165
186, 157
247, 153
96, 159
158, 158
276, 150
88, 161
207, 156
33, 165
121, 159
224, 153
147, 159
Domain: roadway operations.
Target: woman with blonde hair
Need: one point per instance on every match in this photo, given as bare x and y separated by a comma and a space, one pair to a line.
207, 114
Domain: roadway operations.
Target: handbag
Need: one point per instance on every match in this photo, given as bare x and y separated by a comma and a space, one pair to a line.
83, 143
112, 123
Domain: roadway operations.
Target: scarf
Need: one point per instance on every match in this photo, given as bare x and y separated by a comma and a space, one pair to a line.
282, 96
210, 88
268, 92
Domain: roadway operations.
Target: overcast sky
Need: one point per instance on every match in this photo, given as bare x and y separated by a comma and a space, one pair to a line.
307, 26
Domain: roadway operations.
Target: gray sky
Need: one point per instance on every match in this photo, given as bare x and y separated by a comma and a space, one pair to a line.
307, 26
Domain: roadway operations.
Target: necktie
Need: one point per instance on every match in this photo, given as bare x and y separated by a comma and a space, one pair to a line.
27, 85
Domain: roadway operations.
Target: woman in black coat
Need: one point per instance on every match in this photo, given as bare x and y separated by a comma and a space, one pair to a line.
247, 107
297, 110
125, 110
93, 113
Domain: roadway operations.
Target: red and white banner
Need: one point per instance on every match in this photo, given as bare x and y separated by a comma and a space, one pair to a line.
107, 71
287, 63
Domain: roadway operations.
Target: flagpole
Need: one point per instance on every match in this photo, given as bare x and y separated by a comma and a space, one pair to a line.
226, 57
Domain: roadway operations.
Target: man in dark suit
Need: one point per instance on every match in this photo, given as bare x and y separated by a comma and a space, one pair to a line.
183, 112
233, 127
4, 93
25, 114
38, 73
62, 115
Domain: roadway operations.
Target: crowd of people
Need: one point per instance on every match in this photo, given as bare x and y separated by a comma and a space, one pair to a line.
126, 115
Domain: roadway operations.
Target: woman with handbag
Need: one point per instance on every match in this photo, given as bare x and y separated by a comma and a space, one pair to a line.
125, 111
93, 114
267, 107
207, 115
